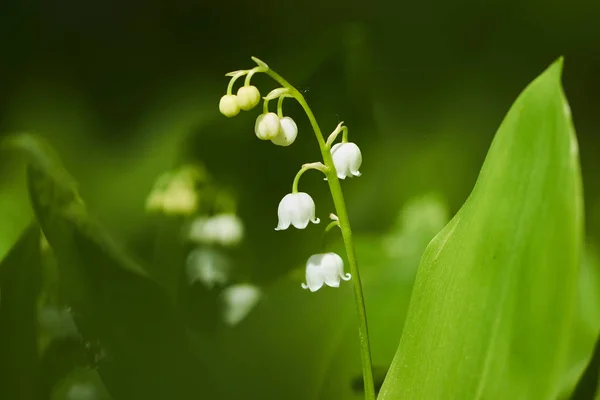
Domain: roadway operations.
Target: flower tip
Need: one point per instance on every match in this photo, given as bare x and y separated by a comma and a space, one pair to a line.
236, 73
260, 63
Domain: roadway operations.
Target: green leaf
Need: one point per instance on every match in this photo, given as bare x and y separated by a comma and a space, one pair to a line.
493, 309
20, 281
585, 334
133, 334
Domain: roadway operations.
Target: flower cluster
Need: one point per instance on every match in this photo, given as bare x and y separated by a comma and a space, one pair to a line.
340, 160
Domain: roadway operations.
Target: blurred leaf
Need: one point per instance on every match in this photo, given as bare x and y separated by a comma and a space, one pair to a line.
290, 334
81, 384
131, 332
493, 309
59, 359
20, 281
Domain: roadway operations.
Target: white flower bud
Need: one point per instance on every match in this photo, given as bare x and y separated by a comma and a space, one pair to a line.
325, 269
296, 209
229, 106
248, 97
287, 134
267, 126
347, 159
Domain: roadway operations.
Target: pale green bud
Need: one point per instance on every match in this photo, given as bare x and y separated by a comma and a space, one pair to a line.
267, 126
248, 97
229, 106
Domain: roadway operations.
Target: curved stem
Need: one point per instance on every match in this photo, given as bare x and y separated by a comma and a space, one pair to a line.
250, 74
342, 213
232, 81
280, 107
317, 165
331, 225
334, 135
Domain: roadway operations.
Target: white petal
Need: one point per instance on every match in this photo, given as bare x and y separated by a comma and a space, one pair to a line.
297, 209
314, 276
300, 214
308, 205
347, 159
207, 266
284, 212
287, 134
331, 266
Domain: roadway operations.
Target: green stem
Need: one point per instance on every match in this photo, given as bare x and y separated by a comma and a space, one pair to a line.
345, 134
318, 166
232, 81
342, 213
280, 107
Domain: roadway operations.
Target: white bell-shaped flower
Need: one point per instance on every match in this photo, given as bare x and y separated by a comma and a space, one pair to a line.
208, 266
239, 300
324, 269
288, 132
224, 229
229, 106
296, 209
347, 159
267, 126
248, 97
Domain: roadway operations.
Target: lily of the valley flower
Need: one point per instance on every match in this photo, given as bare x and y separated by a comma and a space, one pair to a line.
296, 209
224, 229
248, 97
239, 300
288, 132
327, 268
178, 198
229, 106
347, 159
208, 266
267, 126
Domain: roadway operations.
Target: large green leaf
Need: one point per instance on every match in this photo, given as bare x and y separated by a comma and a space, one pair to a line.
20, 281
133, 334
494, 303
585, 334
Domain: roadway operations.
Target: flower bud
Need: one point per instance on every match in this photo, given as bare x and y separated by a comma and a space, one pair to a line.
248, 97
347, 159
267, 126
296, 209
287, 134
229, 106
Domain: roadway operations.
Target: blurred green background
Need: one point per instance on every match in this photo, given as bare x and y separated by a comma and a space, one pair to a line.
126, 91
